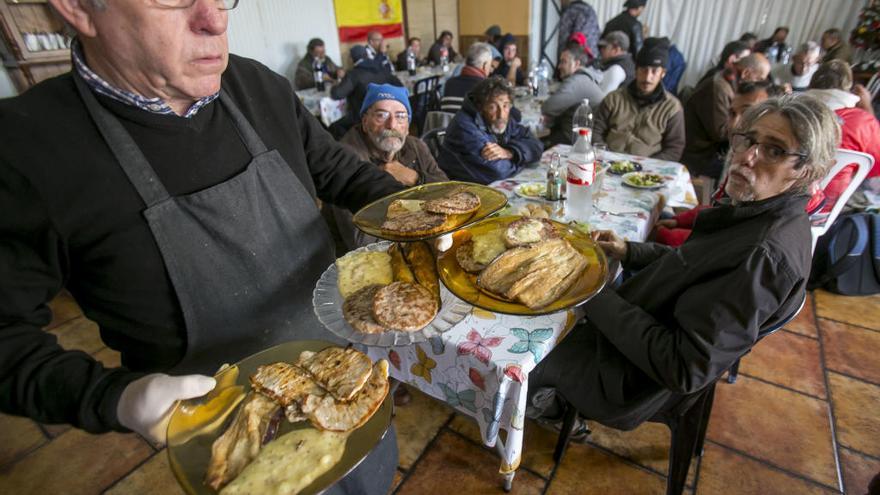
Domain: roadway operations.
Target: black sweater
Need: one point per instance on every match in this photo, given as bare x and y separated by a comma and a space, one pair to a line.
69, 217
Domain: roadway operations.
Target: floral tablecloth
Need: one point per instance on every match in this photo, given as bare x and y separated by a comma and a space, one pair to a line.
481, 365
319, 104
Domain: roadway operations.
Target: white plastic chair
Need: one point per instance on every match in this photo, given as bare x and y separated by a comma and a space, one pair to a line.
843, 158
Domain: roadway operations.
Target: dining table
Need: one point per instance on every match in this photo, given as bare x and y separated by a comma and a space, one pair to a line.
481, 365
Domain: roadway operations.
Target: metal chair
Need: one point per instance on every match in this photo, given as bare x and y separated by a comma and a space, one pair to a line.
434, 140
436, 119
424, 97
843, 158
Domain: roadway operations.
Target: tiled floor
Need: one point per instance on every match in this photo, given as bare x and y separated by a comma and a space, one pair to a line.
803, 418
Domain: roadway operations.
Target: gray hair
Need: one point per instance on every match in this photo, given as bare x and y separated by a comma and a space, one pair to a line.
810, 49
815, 129
478, 55
834, 74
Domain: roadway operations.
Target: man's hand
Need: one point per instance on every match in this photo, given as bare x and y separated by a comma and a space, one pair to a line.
403, 174
669, 223
494, 151
864, 98
613, 245
340, 73
327, 77
516, 63
145, 404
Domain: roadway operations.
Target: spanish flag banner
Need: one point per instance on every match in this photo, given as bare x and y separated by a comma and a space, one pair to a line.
355, 18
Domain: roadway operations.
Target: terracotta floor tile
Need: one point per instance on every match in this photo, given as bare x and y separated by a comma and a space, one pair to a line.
18, 436
787, 359
863, 311
851, 350
586, 470
153, 476
805, 322
722, 472
417, 424
538, 443
857, 471
80, 334
457, 464
64, 309
647, 445
786, 428
856, 409
76, 462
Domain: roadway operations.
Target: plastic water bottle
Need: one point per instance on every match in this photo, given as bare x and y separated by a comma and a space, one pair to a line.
411, 62
582, 120
318, 72
533, 81
580, 177
544, 72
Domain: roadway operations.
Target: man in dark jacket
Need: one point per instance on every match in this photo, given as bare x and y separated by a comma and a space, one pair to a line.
485, 142
382, 138
511, 65
443, 44
617, 65
689, 313
773, 47
477, 66
628, 22
413, 49
305, 69
172, 189
354, 85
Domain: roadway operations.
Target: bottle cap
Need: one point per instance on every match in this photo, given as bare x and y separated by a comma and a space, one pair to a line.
583, 132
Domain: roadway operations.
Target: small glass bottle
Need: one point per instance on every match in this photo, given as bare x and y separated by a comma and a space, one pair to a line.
555, 179
318, 73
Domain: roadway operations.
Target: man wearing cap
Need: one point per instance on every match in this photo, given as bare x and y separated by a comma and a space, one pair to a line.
493, 35
578, 17
618, 68
382, 138
642, 118
579, 81
628, 22
511, 65
353, 86
706, 112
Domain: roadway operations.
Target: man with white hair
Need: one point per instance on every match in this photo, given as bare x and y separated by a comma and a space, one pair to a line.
477, 66
689, 313
382, 138
796, 77
172, 189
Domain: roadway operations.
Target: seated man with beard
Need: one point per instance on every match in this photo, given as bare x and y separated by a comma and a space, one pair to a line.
485, 142
382, 138
690, 312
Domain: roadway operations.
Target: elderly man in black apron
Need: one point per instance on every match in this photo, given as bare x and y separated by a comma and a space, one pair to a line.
173, 189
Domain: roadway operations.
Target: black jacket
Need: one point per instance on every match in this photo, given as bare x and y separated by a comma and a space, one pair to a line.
434, 54
687, 315
353, 86
630, 26
626, 63
455, 90
69, 217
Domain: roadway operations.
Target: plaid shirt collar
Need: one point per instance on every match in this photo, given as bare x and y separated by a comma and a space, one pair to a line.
100, 86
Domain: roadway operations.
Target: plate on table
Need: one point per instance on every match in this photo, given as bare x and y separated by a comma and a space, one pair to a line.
532, 190
371, 217
644, 180
622, 167
464, 284
327, 301
196, 423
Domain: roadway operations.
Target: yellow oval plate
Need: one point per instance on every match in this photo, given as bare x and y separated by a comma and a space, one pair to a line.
189, 451
370, 218
464, 284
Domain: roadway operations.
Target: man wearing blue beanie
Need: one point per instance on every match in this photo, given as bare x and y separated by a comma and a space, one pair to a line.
382, 138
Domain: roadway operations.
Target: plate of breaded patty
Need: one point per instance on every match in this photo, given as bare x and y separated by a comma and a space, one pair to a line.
523, 266
429, 210
386, 294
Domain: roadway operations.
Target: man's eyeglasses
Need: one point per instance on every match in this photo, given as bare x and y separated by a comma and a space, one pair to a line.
185, 4
767, 153
384, 115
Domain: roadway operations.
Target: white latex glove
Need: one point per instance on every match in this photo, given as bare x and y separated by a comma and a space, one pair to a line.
444, 242
145, 404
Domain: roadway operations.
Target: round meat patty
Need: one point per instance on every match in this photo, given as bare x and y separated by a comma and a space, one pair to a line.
454, 204
404, 306
415, 224
358, 310
527, 231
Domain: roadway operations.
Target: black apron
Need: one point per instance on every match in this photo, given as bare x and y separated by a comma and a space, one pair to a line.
243, 256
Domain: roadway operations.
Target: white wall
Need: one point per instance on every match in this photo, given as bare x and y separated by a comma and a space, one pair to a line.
275, 32
701, 28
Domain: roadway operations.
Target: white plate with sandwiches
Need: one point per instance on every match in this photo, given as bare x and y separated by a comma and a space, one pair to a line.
295, 418
386, 294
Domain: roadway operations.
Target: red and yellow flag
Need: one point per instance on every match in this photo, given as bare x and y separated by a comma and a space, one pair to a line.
355, 18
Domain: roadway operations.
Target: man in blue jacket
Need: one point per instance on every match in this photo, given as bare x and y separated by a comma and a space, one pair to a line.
483, 143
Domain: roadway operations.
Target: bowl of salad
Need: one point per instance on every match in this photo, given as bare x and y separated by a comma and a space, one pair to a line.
622, 167
644, 180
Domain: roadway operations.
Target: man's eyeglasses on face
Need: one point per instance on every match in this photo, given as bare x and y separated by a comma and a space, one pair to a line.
767, 153
384, 115
185, 4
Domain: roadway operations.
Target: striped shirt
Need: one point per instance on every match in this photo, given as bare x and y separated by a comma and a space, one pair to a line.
100, 86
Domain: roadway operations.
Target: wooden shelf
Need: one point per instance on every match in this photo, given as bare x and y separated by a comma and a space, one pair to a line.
19, 18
